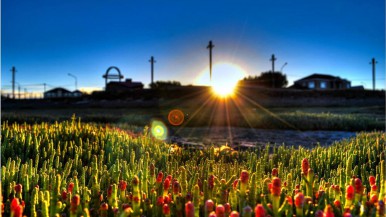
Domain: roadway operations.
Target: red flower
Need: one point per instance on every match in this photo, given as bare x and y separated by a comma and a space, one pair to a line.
235, 184
16, 208
70, 187
159, 177
374, 188
220, 211
372, 180
104, 206
337, 204
234, 214
152, 168
305, 166
209, 206
358, 186
18, 188
259, 211
299, 200
374, 198
166, 209
125, 206
166, 184
189, 209
176, 187
289, 200
347, 214
167, 199
328, 211
136, 199
350, 192
160, 201
135, 181
275, 172
244, 177
64, 195
276, 186
109, 191
122, 185
227, 207
319, 213
75, 201
211, 181
169, 177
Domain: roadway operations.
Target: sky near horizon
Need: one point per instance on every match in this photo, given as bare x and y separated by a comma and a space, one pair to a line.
47, 39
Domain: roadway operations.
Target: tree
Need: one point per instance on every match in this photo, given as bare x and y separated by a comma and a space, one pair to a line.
164, 84
266, 79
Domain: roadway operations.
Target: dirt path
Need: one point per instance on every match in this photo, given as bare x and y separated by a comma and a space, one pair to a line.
247, 136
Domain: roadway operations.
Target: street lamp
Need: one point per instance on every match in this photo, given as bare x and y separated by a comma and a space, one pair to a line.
76, 80
281, 70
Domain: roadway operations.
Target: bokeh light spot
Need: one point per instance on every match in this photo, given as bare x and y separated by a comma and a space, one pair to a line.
159, 130
176, 117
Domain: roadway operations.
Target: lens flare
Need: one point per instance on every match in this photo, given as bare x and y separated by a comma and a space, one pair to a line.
176, 117
159, 130
224, 79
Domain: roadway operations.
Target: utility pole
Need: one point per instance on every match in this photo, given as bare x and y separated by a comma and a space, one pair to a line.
25, 93
210, 47
44, 87
152, 61
273, 69
373, 62
13, 70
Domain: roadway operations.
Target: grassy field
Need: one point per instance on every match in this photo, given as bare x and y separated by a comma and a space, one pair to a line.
73, 168
219, 114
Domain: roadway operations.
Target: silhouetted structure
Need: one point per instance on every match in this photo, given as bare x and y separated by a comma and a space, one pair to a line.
118, 76
265, 79
57, 93
13, 81
210, 47
373, 62
152, 61
273, 59
120, 87
165, 84
322, 82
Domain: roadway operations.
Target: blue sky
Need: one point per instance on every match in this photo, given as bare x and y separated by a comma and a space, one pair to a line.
47, 39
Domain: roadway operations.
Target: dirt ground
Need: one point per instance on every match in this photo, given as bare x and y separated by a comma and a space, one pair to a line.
251, 137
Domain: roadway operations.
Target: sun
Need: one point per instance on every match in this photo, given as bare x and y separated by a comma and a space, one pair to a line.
225, 77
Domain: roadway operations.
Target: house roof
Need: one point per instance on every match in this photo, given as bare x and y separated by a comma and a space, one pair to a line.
57, 90
319, 76
126, 84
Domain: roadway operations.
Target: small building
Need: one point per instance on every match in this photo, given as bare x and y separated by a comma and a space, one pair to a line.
77, 93
60, 92
322, 82
126, 86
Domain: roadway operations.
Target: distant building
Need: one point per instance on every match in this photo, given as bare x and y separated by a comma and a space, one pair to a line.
322, 82
60, 92
127, 85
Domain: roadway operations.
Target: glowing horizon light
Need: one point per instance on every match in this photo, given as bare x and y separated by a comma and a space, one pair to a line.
159, 130
224, 78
